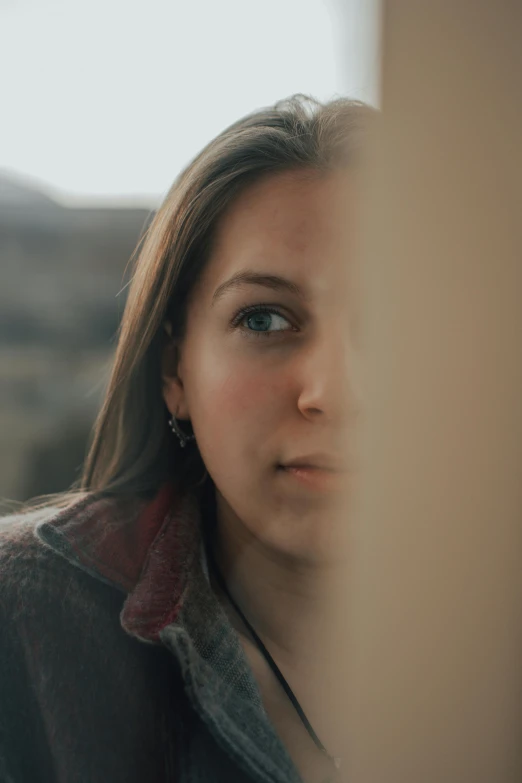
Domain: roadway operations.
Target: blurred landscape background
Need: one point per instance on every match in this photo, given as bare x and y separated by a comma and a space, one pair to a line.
61, 298
103, 103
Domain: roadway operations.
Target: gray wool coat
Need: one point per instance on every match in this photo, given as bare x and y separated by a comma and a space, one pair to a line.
117, 663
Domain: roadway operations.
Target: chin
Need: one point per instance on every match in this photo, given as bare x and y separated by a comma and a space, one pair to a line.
313, 536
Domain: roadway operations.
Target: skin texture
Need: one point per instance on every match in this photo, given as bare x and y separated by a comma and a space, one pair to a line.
275, 387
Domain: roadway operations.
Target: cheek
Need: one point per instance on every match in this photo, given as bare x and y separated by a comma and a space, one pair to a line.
237, 404
250, 393
241, 392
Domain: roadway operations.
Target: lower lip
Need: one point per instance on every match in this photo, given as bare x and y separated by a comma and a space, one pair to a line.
314, 478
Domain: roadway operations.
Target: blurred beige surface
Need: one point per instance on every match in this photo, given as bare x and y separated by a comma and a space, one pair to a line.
436, 587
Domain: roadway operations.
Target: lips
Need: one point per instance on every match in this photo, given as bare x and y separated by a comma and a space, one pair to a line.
318, 462
310, 466
314, 479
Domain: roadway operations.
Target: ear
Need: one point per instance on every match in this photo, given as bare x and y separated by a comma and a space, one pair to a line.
172, 384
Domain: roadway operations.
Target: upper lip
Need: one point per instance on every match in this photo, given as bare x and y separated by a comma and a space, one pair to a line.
322, 461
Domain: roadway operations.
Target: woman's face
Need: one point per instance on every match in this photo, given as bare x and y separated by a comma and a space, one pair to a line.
266, 369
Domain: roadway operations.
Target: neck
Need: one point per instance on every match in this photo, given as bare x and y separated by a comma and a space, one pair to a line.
289, 602
298, 609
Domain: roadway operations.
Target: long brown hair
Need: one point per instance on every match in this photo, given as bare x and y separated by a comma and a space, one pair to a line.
133, 450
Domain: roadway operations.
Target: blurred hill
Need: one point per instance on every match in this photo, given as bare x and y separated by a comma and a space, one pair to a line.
62, 292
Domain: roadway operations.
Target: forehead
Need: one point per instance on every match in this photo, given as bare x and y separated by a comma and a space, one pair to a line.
297, 223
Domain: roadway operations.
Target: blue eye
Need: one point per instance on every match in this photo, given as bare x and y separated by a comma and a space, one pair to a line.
259, 320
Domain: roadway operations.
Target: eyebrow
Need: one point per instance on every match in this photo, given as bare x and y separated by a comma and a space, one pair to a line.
248, 277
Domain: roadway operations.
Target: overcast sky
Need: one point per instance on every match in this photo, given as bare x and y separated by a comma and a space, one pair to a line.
111, 98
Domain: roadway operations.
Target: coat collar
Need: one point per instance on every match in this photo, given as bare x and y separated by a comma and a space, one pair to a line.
146, 549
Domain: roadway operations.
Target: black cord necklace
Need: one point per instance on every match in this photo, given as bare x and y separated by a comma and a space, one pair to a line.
336, 761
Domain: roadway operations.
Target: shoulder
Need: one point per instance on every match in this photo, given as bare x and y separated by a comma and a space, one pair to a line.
22, 563
61, 644
35, 578
22, 554
48, 606
12, 524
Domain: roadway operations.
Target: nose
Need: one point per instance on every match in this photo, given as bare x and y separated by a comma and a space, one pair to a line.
330, 377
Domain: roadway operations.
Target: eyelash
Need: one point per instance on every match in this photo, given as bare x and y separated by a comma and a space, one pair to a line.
259, 308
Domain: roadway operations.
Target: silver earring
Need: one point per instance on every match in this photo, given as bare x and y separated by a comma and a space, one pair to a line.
183, 439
